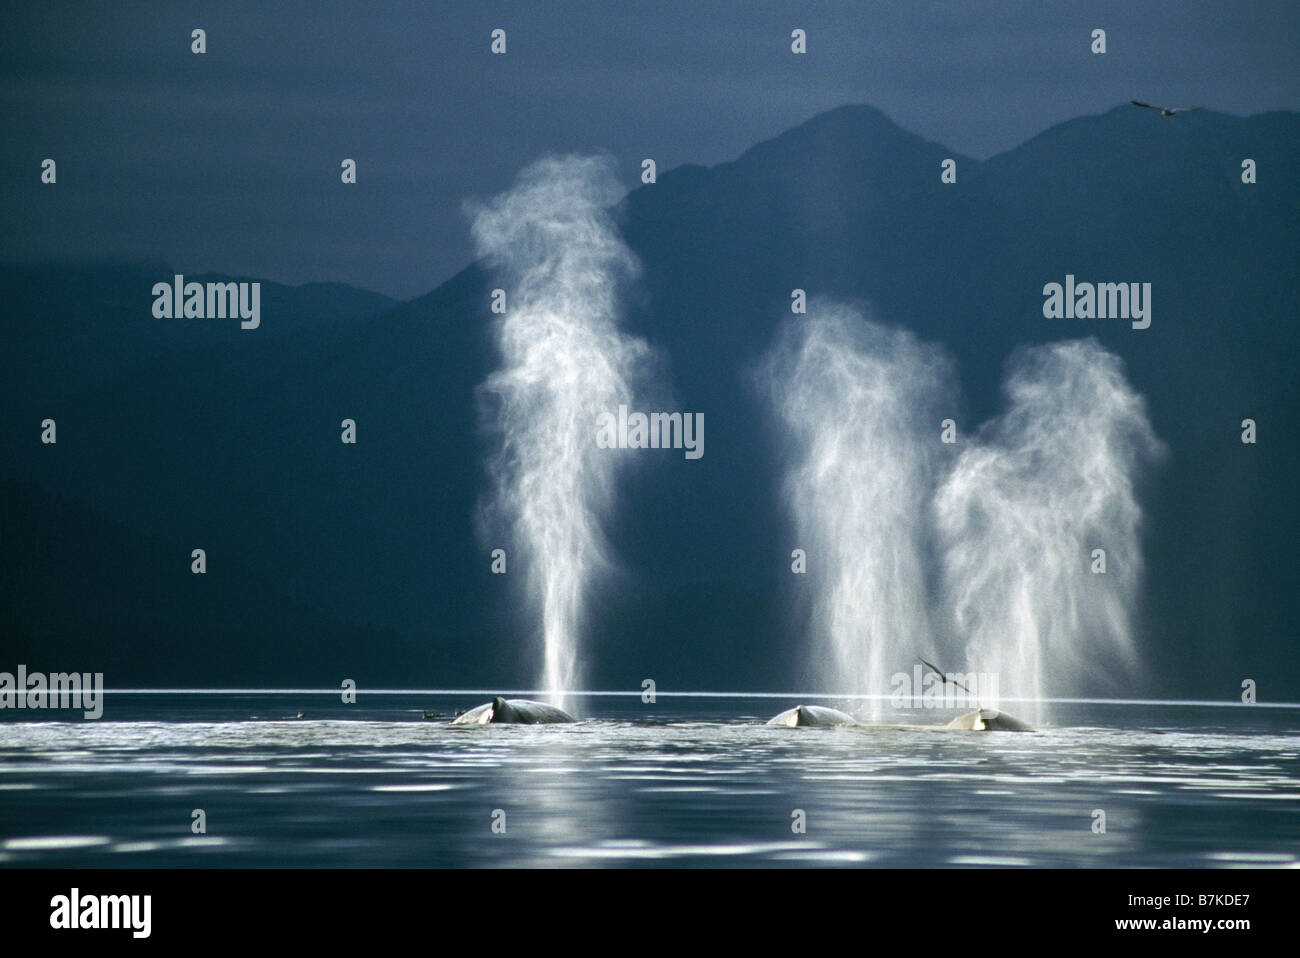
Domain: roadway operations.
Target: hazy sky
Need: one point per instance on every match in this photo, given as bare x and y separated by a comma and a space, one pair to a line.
229, 161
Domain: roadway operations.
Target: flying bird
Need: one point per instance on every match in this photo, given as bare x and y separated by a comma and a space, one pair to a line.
946, 678
1164, 110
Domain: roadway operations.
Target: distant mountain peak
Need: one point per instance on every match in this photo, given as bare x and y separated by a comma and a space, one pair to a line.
853, 128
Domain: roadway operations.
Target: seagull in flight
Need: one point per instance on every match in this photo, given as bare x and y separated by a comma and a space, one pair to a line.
1164, 110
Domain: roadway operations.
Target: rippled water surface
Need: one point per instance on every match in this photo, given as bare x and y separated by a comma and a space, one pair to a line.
378, 785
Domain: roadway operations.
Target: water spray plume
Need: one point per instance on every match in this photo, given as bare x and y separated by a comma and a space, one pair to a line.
992, 553
564, 362
1027, 503
859, 406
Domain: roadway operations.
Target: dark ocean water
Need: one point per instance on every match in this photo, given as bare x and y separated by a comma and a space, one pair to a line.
679, 783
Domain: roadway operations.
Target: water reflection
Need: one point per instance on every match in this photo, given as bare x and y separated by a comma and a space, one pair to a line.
389, 789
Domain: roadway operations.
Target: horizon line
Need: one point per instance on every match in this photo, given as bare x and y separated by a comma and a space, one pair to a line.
605, 693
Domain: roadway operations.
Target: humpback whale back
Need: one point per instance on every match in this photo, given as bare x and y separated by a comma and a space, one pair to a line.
502, 711
806, 715
981, 720
988, 720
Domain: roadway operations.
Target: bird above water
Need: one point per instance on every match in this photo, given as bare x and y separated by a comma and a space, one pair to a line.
1164, 110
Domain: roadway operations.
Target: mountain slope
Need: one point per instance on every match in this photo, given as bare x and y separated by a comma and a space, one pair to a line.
237, 443
69, 327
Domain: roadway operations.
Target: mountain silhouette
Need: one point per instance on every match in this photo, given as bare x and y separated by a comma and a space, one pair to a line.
198, 434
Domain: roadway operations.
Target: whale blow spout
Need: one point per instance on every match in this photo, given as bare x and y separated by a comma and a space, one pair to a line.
806, 715
513, 712
565, 360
